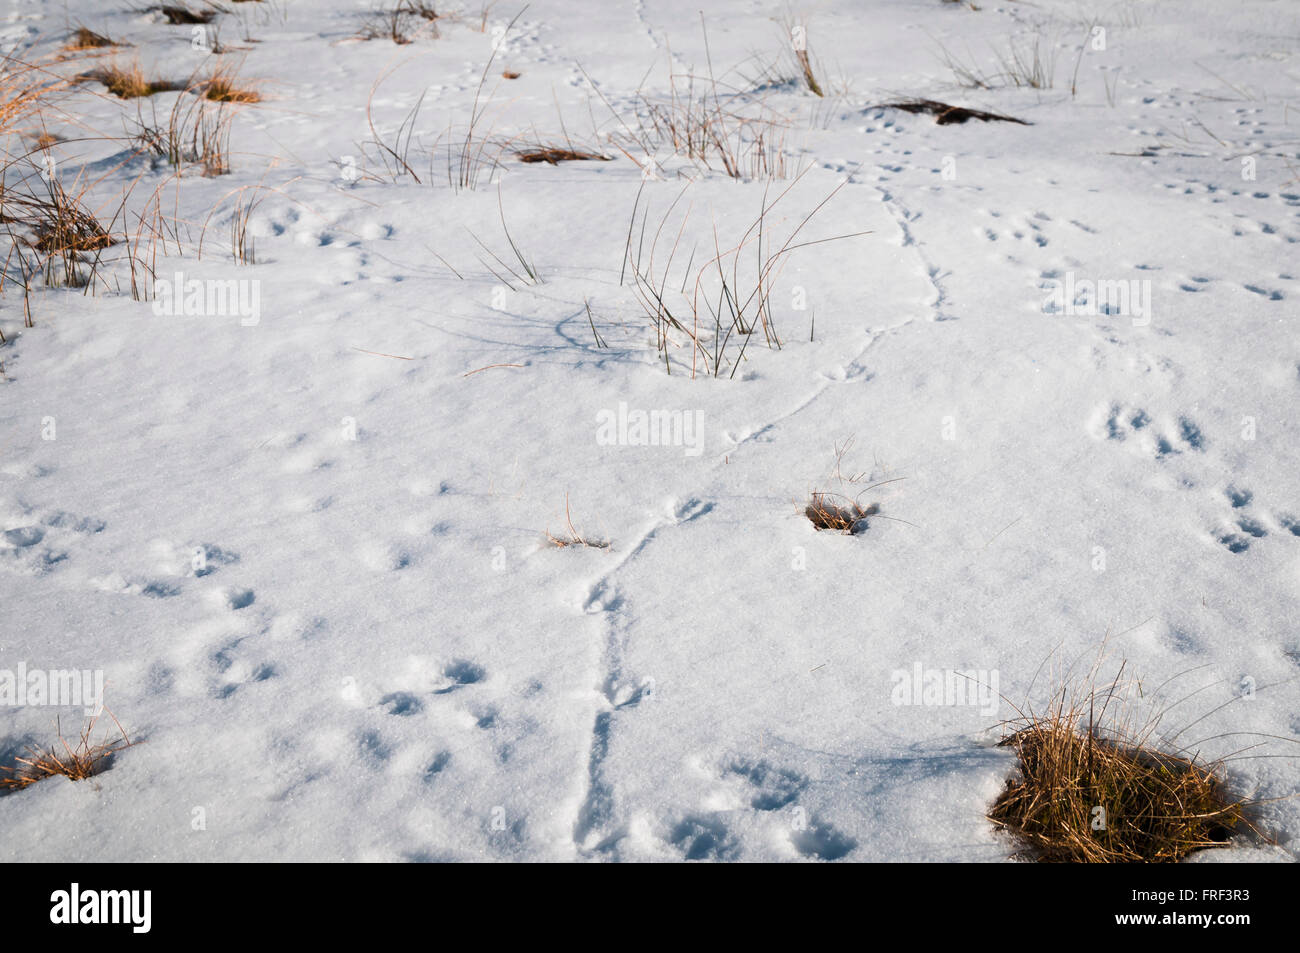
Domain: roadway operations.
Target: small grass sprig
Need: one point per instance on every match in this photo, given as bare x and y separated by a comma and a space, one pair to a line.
76, 762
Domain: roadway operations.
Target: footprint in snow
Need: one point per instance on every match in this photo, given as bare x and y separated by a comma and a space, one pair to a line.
461, 673
1242, 527
820, 841
684, 512
703, 837
771, 788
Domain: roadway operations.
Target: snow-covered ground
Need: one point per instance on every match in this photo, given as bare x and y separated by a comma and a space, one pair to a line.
306, 541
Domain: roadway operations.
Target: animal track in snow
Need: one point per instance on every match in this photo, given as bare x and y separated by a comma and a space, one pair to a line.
402, 703
436, 766
1030, 231
234, 670
234, 598
771, 788
851, 373
1239, 527
820, 841
23, 536
461, 673
1270, 293
379, 556
703, 837
1121, 423
33, 543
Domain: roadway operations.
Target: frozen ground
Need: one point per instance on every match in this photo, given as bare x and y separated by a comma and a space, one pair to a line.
376, 656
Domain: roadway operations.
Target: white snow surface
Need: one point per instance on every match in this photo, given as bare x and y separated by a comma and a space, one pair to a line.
378, 657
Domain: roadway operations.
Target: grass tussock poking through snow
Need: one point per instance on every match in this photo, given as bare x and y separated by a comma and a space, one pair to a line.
570, 536
129, 82
76, 762
557, 154
715, 127
827, 510
223, 87
84, 38
196, 133
842, 511
63, 223
946, 115
1158, 807
59, 227
1029, 63
401, 21
1096, 789
707, 120
717, 303
179, 14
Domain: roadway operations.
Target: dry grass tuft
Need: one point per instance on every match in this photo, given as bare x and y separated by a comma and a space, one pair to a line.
557, 154
222, 87
196, 132
1097, 783
827, 510
840, 512
85, 38
400, 21
59, 226
573, 538
1086, 799
179, 14
78, 763
719, 303
945, 115
1025, 63
129, 82
422, 9
67, 226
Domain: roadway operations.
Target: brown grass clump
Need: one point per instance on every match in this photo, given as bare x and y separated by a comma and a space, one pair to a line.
1085, 799
556, 154
574, 538
78, 763
59, 227
1096, 785
179, 14
222, 87
85, 38
831, 511
945, 115
129, 82
66, 225
839, 511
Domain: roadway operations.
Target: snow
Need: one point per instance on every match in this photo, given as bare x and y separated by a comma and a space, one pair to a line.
378, 657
